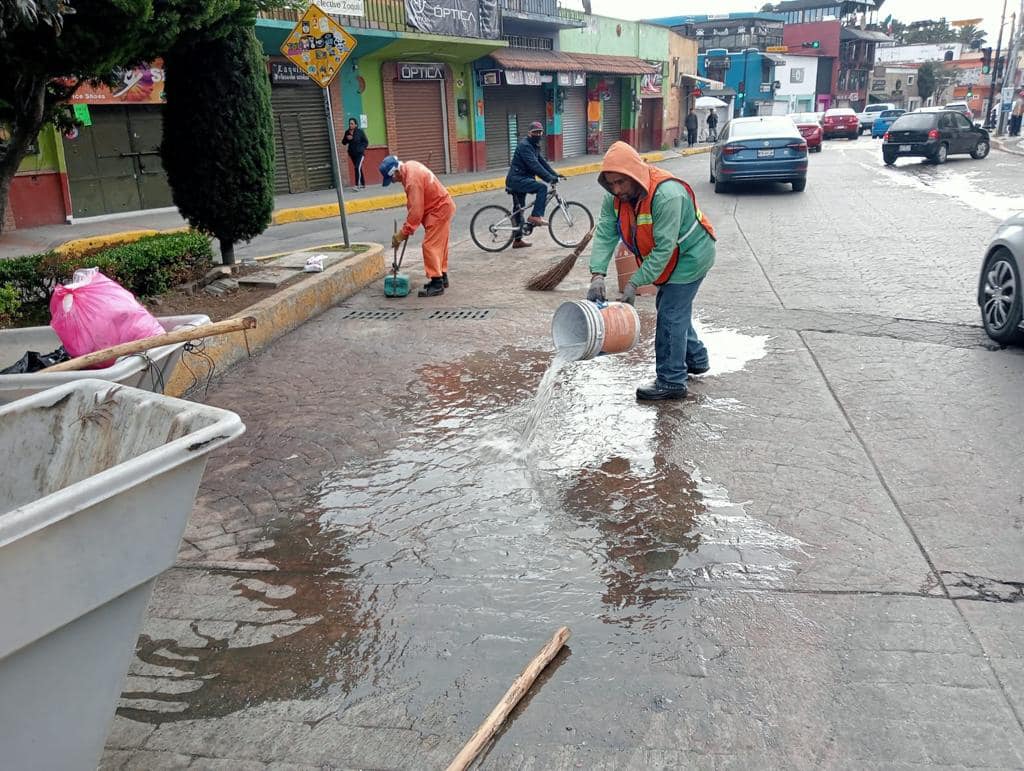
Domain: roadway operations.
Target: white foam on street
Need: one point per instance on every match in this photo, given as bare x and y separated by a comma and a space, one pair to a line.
730, 350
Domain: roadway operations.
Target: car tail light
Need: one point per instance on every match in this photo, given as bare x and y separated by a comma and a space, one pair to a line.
885, 137
798, 146
732, 149
933, 134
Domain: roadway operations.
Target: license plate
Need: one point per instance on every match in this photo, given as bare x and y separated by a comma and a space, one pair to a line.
765, 153
904, 148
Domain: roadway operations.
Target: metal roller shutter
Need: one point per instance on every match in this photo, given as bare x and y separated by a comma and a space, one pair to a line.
574, 122
301, 142
420, 123
508, 111
611, 119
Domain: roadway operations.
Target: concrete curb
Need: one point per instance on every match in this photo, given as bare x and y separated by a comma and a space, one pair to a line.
1012, 147
375, 203
284, 311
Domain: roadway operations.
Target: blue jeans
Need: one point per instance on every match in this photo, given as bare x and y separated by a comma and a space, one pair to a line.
676, 345
527, 186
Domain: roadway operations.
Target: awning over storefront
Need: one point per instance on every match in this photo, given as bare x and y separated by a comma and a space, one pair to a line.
778, 61
614, 65
701, 79
532, 59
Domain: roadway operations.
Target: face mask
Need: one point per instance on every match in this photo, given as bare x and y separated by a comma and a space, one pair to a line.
534, 140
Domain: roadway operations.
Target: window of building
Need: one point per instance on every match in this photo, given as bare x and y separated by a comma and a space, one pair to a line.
910, 80
796, 75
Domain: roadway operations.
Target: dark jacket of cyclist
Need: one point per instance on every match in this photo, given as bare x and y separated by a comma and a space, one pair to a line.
527, 165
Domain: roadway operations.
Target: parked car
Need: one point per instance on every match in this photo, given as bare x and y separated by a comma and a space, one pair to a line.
840, 122
1000, 290
867, 116
884, 120
961, 107
764, 148
933, 133
810, 129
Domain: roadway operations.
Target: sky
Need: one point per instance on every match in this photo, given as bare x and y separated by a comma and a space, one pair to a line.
904, 10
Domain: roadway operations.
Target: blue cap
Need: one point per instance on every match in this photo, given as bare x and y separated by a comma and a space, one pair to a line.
387, 169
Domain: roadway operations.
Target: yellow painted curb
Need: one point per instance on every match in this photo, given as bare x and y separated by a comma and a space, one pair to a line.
283, 312
98, 242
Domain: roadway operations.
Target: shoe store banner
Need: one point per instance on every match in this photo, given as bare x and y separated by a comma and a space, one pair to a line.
459, 18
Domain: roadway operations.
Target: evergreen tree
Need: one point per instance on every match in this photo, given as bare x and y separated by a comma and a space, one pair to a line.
218, 145
927, 76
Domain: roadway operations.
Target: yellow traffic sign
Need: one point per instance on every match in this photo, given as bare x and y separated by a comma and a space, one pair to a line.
318, 46
777, 49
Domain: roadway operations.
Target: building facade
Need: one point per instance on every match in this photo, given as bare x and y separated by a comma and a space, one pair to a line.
797, 90
749, 75
895, 84
732, 31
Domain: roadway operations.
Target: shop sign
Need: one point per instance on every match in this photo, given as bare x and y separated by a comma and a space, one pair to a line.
650, 84
134, 85
343, 7
514, 77
777, 49
531, 78
82, 114
460, 18
286, 73
579, 78
878, 85
766, 88
564, 79
490, 77
420, 71
319, 46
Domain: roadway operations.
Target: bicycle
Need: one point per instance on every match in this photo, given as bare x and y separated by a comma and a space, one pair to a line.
708, 135
494, 227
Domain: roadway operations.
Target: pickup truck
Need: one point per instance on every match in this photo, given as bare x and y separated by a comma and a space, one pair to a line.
872, 111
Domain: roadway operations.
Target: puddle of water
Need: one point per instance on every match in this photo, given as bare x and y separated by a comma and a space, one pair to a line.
603, 519
958, 185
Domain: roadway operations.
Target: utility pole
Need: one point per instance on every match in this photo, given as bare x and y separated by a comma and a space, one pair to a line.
995, 68
1001, 116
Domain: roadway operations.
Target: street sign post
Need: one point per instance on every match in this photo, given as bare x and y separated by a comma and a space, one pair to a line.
319, 46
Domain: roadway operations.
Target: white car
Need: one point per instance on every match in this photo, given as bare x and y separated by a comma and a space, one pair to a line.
1000, 287
872, 111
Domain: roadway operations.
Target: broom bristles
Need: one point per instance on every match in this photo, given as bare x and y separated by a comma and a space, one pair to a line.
548, 279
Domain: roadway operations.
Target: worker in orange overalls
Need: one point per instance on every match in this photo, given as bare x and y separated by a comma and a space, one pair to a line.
429, 203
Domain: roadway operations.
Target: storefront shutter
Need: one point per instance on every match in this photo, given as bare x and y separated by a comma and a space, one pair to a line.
508, 113
574, 122
611, 120
420, 123
302, 144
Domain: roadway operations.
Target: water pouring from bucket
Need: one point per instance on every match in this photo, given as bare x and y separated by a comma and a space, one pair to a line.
582, 329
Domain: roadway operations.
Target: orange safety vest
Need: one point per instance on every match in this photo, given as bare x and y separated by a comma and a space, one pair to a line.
636, 224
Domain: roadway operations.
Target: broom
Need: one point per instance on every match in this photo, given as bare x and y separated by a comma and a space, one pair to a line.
553, 276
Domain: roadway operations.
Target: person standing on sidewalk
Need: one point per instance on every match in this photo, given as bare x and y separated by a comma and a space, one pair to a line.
429, 204
691, 129
355, 139
521, 180
1016, 115
712, 126
656, 216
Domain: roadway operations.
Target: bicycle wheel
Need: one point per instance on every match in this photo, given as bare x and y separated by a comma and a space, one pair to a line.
569, 223
491, 228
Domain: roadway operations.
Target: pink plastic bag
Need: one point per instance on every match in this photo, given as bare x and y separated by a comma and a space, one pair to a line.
94, 312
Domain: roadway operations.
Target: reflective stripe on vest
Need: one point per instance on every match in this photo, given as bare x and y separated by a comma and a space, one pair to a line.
635, 225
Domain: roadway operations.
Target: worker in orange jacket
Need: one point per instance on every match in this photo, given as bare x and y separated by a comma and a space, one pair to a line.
428, 203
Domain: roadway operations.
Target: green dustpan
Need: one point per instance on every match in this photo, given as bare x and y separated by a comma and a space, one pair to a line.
397, 284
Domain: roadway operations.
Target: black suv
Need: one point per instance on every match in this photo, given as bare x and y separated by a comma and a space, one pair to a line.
933, 133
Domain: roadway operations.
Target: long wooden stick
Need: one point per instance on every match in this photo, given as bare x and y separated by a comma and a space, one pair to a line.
508, 702
138, 346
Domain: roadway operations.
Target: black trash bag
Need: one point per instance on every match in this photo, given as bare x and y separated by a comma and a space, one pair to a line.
33, 361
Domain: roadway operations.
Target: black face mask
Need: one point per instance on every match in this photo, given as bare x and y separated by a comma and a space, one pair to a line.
535, 141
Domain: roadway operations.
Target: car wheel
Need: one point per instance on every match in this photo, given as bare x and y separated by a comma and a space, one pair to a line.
1001, 298
889, 159
980, 150
720, 186
799, 185
940, 154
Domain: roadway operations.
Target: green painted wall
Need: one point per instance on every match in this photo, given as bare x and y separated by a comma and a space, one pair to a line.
48, 158
373, 101
463, 73
616, 37
350, 96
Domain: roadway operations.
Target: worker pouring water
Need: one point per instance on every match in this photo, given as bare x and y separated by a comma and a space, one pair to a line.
429, 204
656, 216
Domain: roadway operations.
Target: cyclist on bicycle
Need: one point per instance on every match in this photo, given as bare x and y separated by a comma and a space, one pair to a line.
527, 165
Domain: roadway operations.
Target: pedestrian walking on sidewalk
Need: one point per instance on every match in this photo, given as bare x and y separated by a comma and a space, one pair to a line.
712, 126
691, 129
657, 217
355, 139
429, 204
1016, 115
521, 180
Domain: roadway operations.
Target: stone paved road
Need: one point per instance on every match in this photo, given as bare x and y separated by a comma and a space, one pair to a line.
813, 561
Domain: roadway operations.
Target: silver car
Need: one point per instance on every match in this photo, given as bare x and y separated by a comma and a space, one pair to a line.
1000, 290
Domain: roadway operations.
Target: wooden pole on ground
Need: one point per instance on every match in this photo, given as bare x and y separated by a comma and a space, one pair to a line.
508, 702
138, 346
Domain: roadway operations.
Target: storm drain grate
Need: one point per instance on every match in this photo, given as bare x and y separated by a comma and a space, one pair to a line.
374, 315
461, 313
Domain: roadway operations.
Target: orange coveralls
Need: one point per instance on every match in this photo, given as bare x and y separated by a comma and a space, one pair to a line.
428, 203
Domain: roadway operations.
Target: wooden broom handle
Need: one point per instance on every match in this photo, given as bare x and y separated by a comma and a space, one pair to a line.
512, 696
168, 338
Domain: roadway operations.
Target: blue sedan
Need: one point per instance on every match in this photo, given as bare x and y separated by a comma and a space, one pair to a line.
765, 148
884, 120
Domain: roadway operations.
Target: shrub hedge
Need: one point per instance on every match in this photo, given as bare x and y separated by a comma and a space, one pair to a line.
147, 267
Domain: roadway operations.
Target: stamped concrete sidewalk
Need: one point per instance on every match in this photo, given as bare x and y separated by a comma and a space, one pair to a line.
811, 562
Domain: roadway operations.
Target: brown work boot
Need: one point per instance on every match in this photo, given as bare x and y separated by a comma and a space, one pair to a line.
520, 244
539, 222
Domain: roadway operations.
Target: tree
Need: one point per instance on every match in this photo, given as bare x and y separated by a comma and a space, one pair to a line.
927, 77
218, 146
972, 37
767, 8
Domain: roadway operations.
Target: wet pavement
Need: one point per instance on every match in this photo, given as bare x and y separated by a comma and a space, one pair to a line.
812, 561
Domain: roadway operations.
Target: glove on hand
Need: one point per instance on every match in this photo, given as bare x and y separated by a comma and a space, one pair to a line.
596, 291
628, 294
397, 239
